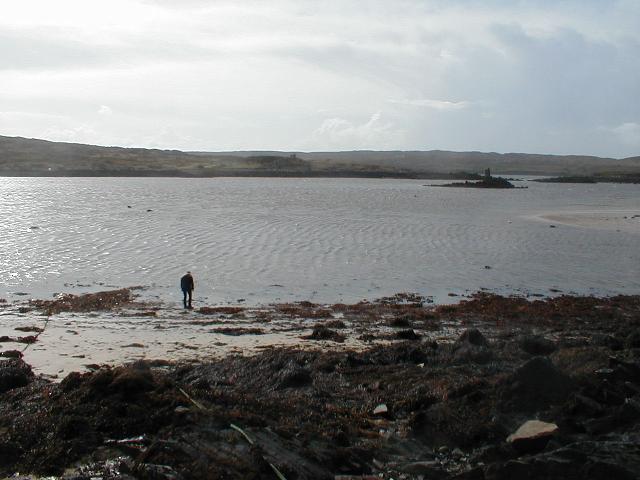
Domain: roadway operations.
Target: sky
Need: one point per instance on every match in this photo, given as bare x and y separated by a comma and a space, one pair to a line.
544, 76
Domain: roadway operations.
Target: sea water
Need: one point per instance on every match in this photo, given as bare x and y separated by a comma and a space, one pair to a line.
260, 240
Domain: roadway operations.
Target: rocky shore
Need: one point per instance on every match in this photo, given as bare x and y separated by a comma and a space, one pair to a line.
490, 388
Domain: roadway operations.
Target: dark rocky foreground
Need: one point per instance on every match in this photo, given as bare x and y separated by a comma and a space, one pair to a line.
409, 408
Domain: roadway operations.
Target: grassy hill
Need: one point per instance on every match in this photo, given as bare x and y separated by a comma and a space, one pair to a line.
32, 157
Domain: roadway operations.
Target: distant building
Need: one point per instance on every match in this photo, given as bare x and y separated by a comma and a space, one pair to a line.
487, 173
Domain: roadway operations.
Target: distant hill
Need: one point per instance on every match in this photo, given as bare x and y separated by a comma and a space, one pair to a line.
439, 161
32, 157
29, 157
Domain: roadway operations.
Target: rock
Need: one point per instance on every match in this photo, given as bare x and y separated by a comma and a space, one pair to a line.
608, 341
71, 382
131, 381
431, 469
592, 460
536, 385
624, 371
627, 414
14, 373
293, 375
381, 409
472, 336
532, 436
320, 332
407, 335
472, 347
633, 339
586, 405
11, 354
476, 473
403, 321
536, 345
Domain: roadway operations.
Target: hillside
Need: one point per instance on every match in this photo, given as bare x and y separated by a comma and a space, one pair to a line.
32, 157
438, 161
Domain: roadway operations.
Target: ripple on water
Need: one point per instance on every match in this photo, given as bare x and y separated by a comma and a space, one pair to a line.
321, 238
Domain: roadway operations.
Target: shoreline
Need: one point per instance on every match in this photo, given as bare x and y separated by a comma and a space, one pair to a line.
435, 392
627, 221
114, 327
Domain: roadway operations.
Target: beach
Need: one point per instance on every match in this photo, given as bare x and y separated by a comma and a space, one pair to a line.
392, 388
627, 221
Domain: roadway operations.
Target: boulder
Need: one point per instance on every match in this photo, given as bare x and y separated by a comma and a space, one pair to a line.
593, 460
471, 347
633, 339
532, 436
426, 469
409, 334
131, 381
320, 332
472, 336
536, 385
292, 375
14, 373
11, 354
536, 345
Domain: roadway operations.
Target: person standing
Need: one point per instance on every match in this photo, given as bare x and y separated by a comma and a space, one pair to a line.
187, 285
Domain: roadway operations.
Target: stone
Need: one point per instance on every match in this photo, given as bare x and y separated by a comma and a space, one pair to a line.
532, 436
536, 345
471, 347
11, 354
14, 373
473, 336
381, 409
536, 385
293, 375
409, 334
429, 469
633, 339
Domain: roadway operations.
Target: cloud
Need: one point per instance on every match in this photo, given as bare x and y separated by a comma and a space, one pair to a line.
628, 133
434, 104
539, 76
105, 110
75, 134
341, 133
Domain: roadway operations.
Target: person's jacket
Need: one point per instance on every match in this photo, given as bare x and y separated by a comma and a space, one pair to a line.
186, 283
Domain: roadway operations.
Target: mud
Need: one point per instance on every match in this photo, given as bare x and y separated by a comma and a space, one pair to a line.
477, 371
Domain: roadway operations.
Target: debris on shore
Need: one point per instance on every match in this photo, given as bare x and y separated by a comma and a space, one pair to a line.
88, 302
548, 388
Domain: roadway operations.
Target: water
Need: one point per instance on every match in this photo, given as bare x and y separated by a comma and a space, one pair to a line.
325, 240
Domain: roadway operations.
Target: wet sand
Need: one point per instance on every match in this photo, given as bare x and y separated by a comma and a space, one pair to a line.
80, 340
615, 220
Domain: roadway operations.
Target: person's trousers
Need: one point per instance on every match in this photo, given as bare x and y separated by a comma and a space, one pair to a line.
186, 293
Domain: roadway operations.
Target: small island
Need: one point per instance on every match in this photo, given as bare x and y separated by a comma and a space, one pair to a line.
598, 178
486, 182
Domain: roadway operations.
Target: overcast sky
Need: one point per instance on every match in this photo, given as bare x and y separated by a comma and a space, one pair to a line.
546, 76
